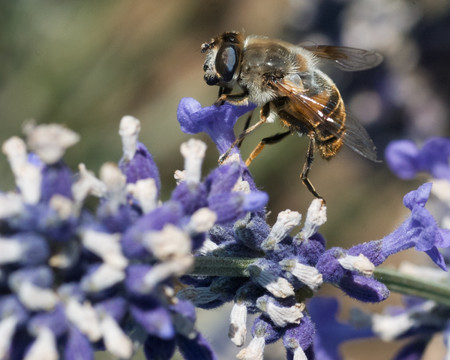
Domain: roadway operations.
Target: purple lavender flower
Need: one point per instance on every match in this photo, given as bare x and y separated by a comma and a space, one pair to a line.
405, 159
291, 268
217, 121
73, 281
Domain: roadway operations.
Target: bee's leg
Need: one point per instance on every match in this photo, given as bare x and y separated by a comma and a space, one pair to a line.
247, 124
263, 118
266, 141
307, 167
223, 91
234, 99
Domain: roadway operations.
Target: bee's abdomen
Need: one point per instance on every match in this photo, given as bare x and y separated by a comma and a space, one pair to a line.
330, 133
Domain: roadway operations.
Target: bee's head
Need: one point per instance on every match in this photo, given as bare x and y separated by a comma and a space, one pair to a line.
223, 57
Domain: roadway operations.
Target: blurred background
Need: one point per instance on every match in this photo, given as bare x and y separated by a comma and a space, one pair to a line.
85, 64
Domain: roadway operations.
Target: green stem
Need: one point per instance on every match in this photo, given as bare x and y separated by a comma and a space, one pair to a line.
409, 285
394, 280
215, 266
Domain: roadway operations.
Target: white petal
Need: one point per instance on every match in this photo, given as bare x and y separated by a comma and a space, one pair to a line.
10, 205
359, 263
36, 298
105, 245
102, 278
171, 242
316, 216
145, 192
7, 329
202, 220
129, 132
116, 342
44, 347
308, 275
276, 285
193, 152
84, 317
254, 350
286, 221
238, 324
50, 141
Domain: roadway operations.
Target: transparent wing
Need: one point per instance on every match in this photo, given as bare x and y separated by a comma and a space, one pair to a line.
347, 58
313, 109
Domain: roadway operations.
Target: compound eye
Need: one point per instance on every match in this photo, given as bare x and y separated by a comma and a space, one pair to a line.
226, 62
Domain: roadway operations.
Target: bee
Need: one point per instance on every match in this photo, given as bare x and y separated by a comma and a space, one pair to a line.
285, 81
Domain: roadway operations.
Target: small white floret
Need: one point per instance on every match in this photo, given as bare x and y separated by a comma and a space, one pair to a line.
316, 216
36, 298
202, 220
254, 350
115, 340
84, 317
276, 285
105, 245
193, 152
359, 263
171, 242
129, 132
145, 192
49, 141
44, 347
308, 275
286, 221
7, 330
102, 278
281, 316
237, 331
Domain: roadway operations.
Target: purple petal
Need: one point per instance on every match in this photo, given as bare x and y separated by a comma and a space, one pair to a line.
417, 197
56, 179
190, 197
141, 166
115, 307
363, 288
434, 157
223, 178
77, 346
300, 335
401, 157
11, 306
155, 321
156, 348
330, 333
194, 349
264, 328
54, 320
216, 121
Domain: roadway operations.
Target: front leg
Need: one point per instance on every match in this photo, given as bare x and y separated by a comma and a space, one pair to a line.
264, 112
233, 99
